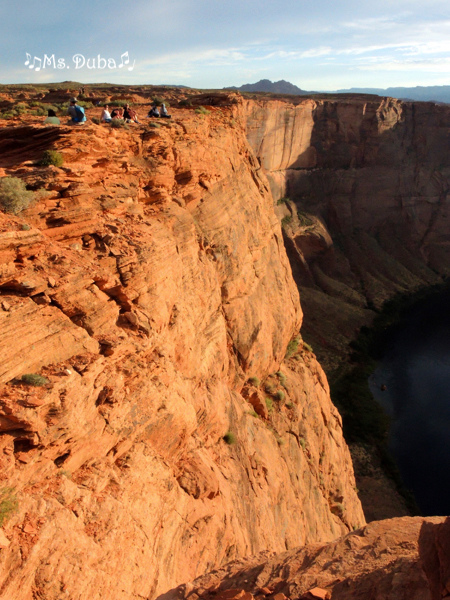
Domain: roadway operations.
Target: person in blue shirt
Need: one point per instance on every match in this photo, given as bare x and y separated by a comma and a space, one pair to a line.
76, 112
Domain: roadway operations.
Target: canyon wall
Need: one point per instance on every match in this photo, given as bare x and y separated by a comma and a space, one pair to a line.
149, 284
364, 189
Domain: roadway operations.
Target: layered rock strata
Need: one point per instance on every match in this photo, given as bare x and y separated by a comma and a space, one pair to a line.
362, 189
365, 184
151, 288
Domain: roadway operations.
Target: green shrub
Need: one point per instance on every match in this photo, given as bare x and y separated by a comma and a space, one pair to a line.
254, 381
269, 387
229, 438
34, 379
119, 124
338, 509
8, 504
201, 110
286, 220
283, 201
46, 107
279, 396
292, 347
282, 377
64, 473
14, 196
62, 107
304, 219
307, 347
96, 120
269, 404
51, 157
156, 125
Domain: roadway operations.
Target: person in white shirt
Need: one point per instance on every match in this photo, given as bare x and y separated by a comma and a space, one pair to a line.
164, 112
106, 116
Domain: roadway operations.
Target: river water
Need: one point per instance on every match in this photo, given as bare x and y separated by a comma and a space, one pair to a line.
416, 372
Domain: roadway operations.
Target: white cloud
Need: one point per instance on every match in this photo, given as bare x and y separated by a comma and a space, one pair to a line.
211, 56
373, 23
434, 47
316, 52
296, 54
434, 65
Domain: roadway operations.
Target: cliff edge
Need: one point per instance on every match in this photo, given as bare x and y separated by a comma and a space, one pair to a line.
182, 422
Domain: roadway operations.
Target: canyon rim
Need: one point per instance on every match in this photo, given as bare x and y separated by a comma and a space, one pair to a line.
182, 422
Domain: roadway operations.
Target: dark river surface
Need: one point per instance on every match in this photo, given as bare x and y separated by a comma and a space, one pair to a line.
416, 372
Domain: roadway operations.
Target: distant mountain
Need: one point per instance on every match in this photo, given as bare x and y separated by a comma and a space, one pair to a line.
432, 93
265, 85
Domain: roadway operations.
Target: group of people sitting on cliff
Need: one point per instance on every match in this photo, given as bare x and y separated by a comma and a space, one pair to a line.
74, 111
127, 114
154, 112
130, 116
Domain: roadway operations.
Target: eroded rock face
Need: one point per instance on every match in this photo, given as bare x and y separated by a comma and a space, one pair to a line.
361, 187
374, 174
147, 286
397, 558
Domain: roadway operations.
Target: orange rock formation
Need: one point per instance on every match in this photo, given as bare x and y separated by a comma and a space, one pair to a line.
148, 286
184, 424
361, 185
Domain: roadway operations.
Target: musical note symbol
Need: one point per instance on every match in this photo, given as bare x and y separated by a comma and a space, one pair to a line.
126, 61
27, 62
34, 61
131, 68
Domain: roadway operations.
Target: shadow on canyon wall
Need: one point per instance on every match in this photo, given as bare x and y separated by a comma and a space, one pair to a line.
362, 192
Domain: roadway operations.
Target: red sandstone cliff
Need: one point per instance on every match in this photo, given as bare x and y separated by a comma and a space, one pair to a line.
148, 286
368, 185
362, 189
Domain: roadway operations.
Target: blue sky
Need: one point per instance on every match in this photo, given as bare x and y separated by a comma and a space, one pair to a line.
317, 45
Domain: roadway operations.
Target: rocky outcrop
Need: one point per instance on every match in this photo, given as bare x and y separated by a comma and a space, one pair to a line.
149, 285
397, 558
180, 421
